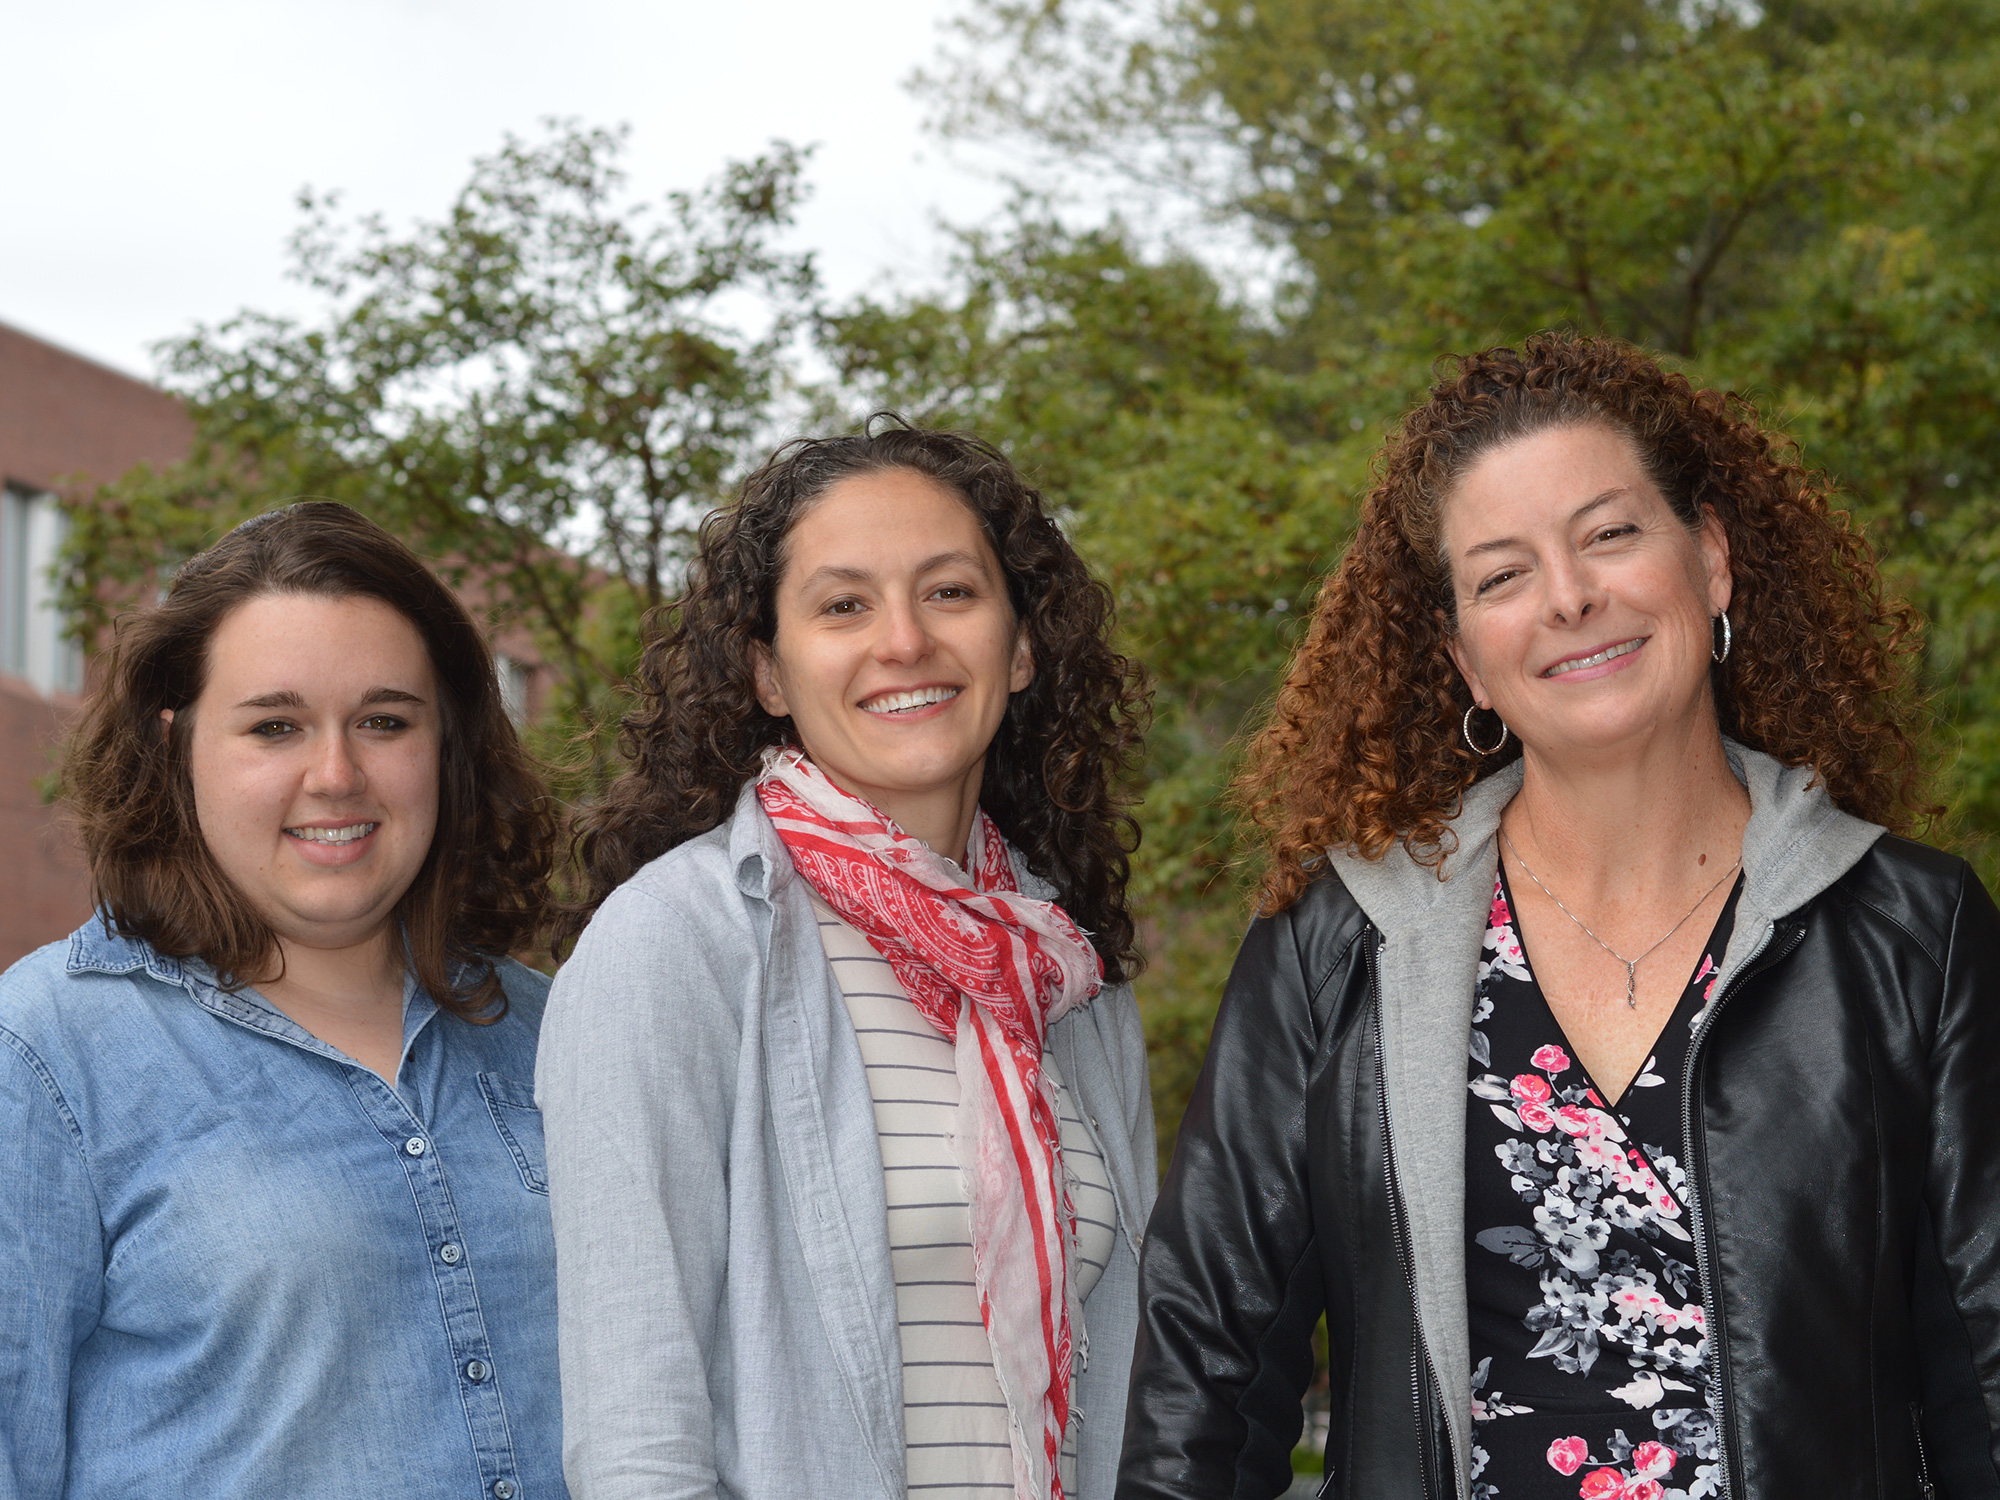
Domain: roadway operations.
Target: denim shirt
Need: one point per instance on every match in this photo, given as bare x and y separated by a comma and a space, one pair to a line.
235, 1263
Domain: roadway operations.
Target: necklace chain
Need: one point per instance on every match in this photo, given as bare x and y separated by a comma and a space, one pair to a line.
1631, 964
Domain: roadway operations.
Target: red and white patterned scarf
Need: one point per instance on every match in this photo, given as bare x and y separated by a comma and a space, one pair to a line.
992, 970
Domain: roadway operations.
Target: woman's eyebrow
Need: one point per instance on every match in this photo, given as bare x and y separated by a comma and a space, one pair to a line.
835, 572
1501, 544
292, 698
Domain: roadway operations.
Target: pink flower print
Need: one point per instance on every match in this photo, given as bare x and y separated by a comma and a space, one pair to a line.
1601, 1484
1574, 1119
1651, 1460
1537, 1117
1529, 1089
1707, 968
1567, 1455
1551, 1059
1633, 1301
1642, 1489
1499, 916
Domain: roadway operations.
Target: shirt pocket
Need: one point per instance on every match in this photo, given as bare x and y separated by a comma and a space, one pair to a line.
519, 1122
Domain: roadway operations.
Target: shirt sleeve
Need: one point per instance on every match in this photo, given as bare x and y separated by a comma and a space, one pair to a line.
636, 1080
52, 1266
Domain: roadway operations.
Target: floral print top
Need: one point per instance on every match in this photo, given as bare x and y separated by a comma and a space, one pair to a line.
1590, 1374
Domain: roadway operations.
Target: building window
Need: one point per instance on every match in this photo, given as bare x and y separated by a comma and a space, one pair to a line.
513, 677
33, 643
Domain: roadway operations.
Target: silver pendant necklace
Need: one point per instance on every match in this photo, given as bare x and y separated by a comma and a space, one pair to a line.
1631, 964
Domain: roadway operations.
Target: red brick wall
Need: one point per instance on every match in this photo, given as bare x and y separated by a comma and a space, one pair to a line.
62, 418
43, 890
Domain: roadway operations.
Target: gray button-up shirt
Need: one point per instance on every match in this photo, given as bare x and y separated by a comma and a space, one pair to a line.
727, 1305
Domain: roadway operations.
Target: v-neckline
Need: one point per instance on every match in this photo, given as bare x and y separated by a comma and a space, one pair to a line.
1611, 1103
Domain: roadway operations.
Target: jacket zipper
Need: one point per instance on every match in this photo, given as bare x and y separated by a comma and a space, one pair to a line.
1420, 1355
1758, 961
1924, 1486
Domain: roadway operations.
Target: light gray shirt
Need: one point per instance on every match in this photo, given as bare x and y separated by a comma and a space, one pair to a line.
726, 1302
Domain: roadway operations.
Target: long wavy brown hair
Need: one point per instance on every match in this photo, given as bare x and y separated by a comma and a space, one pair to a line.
1055, 770
482, 891
1363, 749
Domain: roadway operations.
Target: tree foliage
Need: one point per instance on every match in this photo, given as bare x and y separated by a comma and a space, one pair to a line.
1792, 200
543, 390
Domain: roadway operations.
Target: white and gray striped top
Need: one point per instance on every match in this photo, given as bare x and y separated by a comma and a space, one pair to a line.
954, 1419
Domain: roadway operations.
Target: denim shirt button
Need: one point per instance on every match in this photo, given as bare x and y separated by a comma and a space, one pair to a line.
476, 1370
449, 1254
416, 1145
503, 1489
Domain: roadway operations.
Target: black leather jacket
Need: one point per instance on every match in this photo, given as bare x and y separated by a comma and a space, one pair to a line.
1843, 1141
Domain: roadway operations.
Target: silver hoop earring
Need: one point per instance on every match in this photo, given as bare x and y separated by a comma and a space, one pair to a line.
1723, 654
1478, 749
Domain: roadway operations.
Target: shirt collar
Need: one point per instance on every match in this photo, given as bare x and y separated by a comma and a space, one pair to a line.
95, 948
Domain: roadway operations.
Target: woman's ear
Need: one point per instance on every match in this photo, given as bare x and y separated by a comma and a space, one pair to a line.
1714, 542
1023, 669
1461, 658
769, 695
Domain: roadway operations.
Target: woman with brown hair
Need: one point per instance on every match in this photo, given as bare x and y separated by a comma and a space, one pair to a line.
1601, 1063
274, 1219
849, 1133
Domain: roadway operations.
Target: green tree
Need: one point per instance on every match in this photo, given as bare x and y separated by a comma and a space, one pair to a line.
543, 391
1791, 200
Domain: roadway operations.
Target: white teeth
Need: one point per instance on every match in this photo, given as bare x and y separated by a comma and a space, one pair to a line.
890, 703
334, 835
1592, 661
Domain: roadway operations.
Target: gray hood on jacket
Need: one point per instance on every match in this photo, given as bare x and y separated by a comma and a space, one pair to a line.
1797, 844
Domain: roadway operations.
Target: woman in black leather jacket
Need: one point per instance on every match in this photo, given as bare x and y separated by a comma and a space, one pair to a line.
1602, 1065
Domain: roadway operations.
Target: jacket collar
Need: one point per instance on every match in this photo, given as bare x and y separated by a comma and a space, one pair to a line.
1796, 845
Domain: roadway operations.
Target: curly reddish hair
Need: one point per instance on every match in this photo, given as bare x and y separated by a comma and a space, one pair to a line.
1362, 749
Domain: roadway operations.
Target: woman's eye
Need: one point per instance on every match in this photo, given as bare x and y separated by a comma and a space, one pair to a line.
383, 722
1496, 580
1611, 533
953, 592
844, 607
272, 729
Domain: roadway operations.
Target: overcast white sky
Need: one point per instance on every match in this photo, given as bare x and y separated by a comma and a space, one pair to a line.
150, 152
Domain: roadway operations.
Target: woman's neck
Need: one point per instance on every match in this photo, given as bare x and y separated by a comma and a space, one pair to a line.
1651, 820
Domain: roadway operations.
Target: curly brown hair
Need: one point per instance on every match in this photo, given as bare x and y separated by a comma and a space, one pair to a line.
1362, 749
1054, 772
482, 891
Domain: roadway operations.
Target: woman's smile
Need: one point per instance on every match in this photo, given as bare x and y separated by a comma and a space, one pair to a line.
1586, 666
333, 843
909, 703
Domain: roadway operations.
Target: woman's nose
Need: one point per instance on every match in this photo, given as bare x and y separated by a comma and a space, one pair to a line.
335, 770
1570, 591
904, 636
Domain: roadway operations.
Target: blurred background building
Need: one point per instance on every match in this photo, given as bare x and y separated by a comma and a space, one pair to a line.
66, 424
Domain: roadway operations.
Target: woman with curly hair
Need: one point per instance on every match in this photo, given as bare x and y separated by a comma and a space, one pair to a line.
273, 1219
1592, 765
849, 1132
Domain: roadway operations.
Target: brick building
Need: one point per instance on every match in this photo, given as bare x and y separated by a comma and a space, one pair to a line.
65, 422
